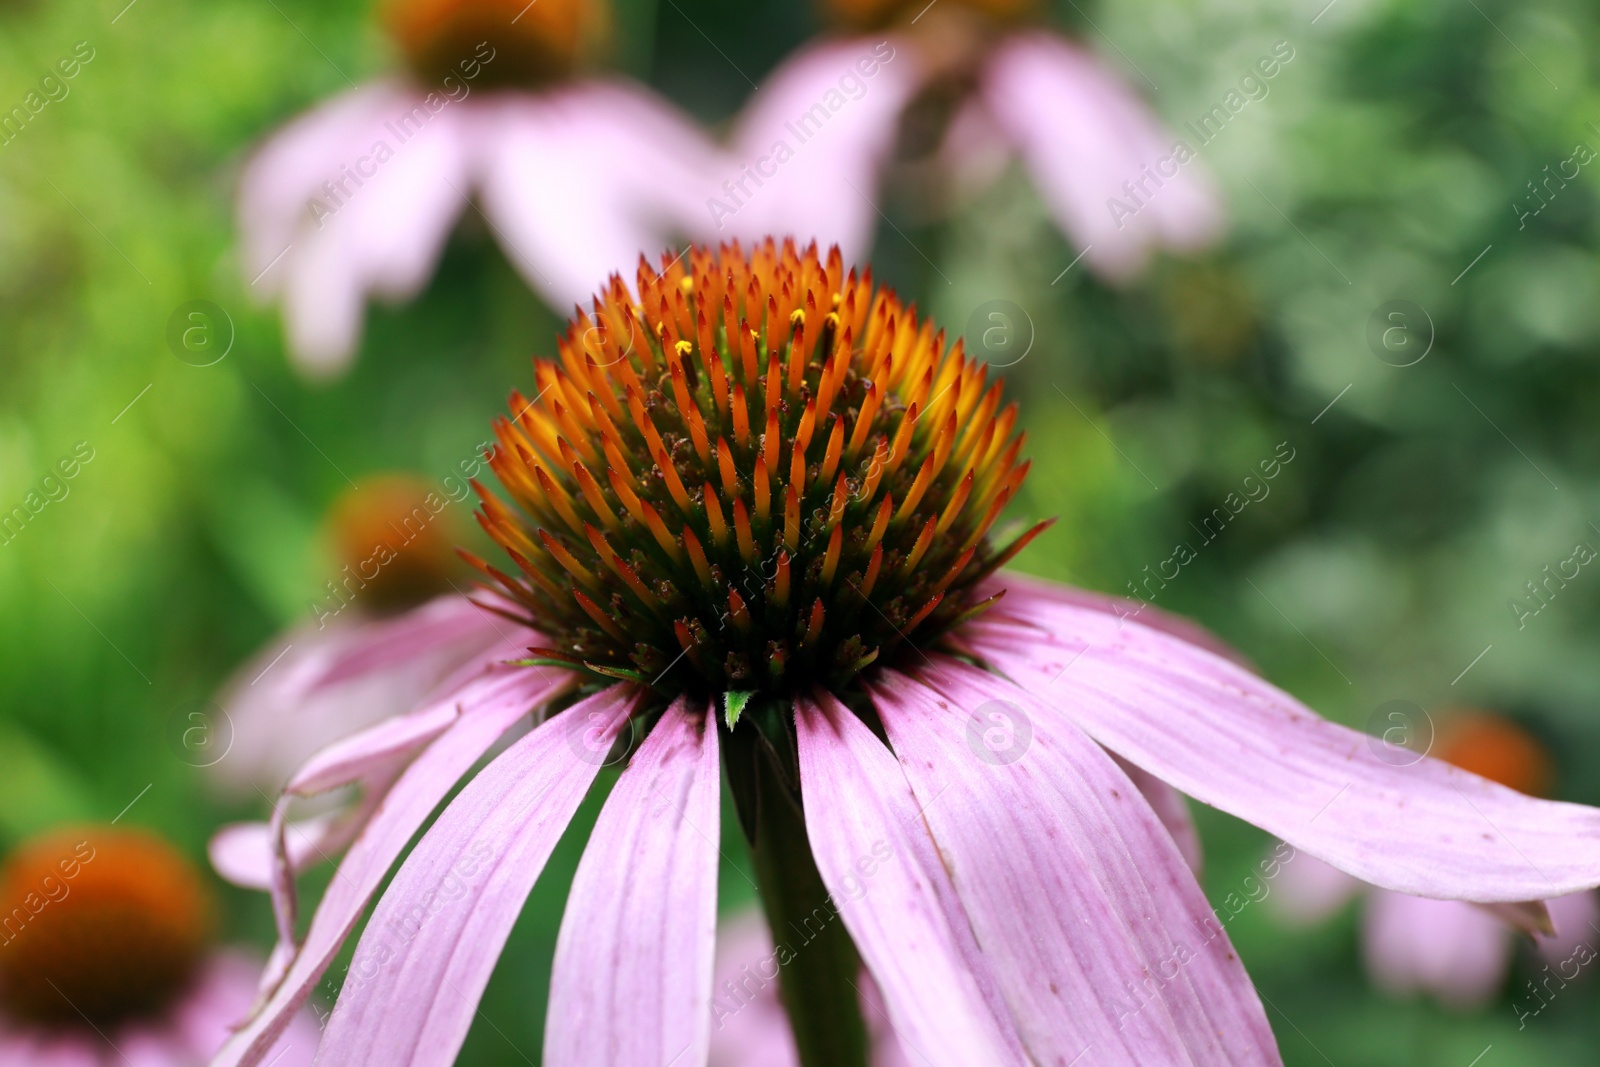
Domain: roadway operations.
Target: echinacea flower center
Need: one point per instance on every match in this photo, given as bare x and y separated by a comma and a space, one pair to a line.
760, 474
393, 539
1498, 749
99, 925
496, 42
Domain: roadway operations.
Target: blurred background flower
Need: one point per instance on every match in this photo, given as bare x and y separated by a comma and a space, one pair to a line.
944, 95
1400, 555
575, 174
106, 958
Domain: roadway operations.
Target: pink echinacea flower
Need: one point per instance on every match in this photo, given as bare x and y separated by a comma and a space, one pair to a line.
749, 532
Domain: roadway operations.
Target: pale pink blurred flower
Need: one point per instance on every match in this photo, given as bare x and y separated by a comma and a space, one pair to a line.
1457, 952
812, 147
187, 1034
575, 177
103, 961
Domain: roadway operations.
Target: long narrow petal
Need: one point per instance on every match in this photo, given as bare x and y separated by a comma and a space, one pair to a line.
1172, 809
579, 182
861, 819
1231, 740
806, 156
434, 938
1100, 935
315, 685
489, 709
1021, 586
631, 983
1083, 134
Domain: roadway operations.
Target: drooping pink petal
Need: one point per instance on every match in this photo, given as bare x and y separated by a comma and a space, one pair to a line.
578, 182
1446, 948
315, 686
242, 852
427, 953
1227, 738
1308, 890
1100, 936
631, 982
810, 145
489, 708
861, 819
1172, 809
1083, 134
355, 197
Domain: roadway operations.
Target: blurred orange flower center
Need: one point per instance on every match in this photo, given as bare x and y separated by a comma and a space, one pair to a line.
497, 42
99, 925
1497, 749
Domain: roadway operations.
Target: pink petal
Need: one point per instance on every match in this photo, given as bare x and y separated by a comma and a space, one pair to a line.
314, 686
1229, 739
1172, 809
1082, 134
835, 140
631, 983
490, 707
1074, 888
433, 939
579, 182
862, 822
1308, 890
1444, 947
380, 231
242, 852
1125, 609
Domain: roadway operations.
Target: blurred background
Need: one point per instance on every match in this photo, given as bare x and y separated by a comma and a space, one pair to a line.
1438, 462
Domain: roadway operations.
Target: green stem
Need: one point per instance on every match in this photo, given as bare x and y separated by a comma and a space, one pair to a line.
819, 966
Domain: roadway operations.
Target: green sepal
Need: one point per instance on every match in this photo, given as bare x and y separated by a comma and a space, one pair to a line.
733, 705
